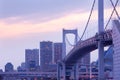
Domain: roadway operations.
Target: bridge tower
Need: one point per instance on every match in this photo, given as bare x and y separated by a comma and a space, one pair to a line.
100, 44
64, 43
61, 66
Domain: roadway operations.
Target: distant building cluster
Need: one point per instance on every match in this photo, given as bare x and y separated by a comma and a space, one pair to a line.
50, 53
43, 59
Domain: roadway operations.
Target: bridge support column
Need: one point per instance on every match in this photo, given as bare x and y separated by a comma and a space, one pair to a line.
76, 72
101, 62
58, 71
63, 45
61, 71
100, 44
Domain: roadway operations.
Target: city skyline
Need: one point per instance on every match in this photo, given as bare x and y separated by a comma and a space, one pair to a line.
25, 28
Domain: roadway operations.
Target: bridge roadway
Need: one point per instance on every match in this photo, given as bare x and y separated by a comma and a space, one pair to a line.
86, 46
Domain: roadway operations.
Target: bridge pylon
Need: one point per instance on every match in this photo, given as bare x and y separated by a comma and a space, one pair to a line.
75, 32
100, 43
61, 71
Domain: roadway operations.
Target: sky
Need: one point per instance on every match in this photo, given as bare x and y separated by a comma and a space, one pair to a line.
25, 23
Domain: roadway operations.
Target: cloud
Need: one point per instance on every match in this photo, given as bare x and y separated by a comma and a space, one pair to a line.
42, 10
23, 27
15, 8
72, 20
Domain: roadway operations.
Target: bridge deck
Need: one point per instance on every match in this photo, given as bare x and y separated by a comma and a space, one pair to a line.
84, 47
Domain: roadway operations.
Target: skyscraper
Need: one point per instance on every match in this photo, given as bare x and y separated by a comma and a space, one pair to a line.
57, 52
46, 52
31, 59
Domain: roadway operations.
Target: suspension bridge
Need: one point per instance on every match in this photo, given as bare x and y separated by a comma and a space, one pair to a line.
69, 65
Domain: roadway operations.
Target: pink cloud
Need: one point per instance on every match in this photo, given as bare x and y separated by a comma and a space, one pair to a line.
66, 21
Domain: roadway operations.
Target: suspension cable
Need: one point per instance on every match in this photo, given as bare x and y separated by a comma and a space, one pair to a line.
115, 9
88, 19
69, 41
111, 14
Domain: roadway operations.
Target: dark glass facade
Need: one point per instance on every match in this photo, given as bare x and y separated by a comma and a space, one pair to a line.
57, 52
46, 52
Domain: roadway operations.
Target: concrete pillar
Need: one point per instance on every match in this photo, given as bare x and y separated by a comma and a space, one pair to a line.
64, 45
100, 44
87, 70
63, 71
58, 71
76, 71
76, 37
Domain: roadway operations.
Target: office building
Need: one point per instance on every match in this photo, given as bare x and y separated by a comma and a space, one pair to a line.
116, 56
46, 53
57, 52
31, 59
108, 59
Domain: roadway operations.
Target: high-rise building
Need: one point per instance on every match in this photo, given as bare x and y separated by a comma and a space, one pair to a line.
57, 52
46, 52
108, 59
9, 67
116, 48
31, 59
